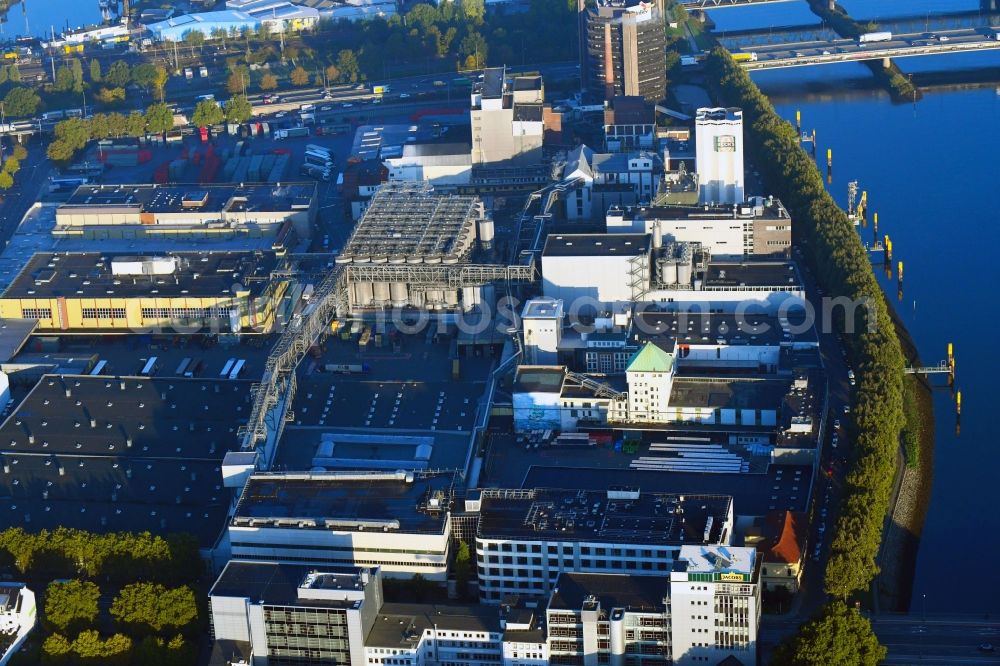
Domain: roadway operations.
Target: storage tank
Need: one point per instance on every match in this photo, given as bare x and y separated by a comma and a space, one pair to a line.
380, 291
398, 294
344, 259
363, 293
451, 297
684, 271
435, 297
470, 297
668, 271
486, 232
417, 299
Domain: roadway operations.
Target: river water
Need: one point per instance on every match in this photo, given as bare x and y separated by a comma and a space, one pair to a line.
44, 15
929, 170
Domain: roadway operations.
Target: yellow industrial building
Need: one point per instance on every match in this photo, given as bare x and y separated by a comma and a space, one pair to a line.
186, 292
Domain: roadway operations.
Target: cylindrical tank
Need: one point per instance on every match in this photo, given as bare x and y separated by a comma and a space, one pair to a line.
486, 232
380, 259
344, 259
414, 259
434, 297
363, 293
451, 297
657, 236
380, 291
617, 636
450, 259
432, 259
417, 299
397, 259
470, 297
668, 271
684, 271
398, 293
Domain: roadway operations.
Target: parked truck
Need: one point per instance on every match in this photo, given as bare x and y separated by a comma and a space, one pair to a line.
873, 37
745, 57
346, 368
291, 132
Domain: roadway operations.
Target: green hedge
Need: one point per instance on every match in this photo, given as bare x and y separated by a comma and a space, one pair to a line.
841, 265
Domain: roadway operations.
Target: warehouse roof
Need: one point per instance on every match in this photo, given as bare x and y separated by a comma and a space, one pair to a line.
181, 274
402, 625
595, 245
604, 516
278, 584
634, 593
415, 503
230, 198
728, 393
757, 208
726, 275
114, 453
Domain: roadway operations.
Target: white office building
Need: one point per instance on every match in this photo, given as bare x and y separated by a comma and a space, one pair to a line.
719, 155
715, 605
526, 538
398, 521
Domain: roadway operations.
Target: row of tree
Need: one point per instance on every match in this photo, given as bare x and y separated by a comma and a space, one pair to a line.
72, 606
12, 165
118, 557
117, 650
73, 134
843, 268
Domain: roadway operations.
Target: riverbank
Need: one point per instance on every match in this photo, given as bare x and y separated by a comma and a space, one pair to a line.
901, 538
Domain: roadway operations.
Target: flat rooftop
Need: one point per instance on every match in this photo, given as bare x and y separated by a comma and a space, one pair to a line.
402, 625
399, 502
728, 393
634, 593
727, 275
203, 198
97, 275
121, 453
591, 515
539, 378
718, 559
14, 333
766, 209
410, 223
749, 329
595, 245
782, 487
277, 584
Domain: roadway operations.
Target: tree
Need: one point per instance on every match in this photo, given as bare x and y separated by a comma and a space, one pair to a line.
20, 152
64, 79
180, 652
474, 11
300, 77
838, 636
160, 82
135, 124
95, 70
71, 606
12, 165
268, 82
21, 101
58, 151
347, 63
6, 180
463, 568
332, 73
238, 109
152, 607
239, 79
111, 96
144, 75
56, 649
76, 67
194, 38
207, 113
14, 73
474, 46
88, 645
118, 74
159, 118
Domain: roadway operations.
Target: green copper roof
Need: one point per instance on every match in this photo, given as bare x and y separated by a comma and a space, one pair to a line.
650, 359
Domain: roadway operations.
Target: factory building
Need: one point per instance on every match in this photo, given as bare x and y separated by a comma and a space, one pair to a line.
271, 614
184, 292
609, 179
759, 227
407, 243
526, 538
176, 28
629, 124
507, 123
107, 454
718, 136
282, 211
623, 48
398, 521
278, 15
640, 268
